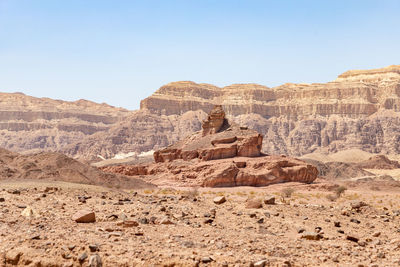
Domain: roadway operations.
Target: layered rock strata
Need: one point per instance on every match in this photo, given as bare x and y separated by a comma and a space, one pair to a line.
223, 154
219, 139
360, 109
238, 171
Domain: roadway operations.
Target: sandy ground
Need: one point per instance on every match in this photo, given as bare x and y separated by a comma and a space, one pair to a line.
186, 228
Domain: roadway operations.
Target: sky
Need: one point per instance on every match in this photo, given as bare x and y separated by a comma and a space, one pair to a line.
120, 52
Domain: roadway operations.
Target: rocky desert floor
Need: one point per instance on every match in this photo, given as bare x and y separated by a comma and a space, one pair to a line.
186, 227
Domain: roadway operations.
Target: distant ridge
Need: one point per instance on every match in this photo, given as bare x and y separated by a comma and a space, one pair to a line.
358, 110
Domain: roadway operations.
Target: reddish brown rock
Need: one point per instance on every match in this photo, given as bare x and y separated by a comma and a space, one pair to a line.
223, 155
219, 139
259, 171
214, 122
84, 216
253, 204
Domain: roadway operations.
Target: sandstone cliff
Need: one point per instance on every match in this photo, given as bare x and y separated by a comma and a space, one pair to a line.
360, 109
29, 123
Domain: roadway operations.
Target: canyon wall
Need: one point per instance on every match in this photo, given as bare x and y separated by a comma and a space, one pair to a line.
360, 109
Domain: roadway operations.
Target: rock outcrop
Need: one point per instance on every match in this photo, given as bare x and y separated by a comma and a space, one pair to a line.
379, 162
360, 110
29, 123
219, 139
228, 172
51, 166
222, 154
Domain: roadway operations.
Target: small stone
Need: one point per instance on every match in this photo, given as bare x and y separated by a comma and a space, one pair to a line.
362, 243
93, 248
219, 200
84, 216
14, 191
376, 234
29, 212
82, 257
260, 263
356, 205
352, 238
208, 221
128, 223
12, 257
253, 215
355, 221
337, 224
253, 204
301, 230
2, 199
144, 220
260, 220
95, 261
269, 200
311, 236
166, 221
35, 237
206, 259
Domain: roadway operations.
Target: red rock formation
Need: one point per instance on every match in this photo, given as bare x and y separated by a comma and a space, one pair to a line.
224, 154
239, 171
219, 139
214, 122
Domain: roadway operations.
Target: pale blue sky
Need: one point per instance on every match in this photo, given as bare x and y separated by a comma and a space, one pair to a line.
120, 52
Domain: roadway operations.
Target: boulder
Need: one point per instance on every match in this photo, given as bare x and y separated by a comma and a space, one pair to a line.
84, 216
219, 200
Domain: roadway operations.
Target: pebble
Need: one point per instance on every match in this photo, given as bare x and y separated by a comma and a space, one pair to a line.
352, 238
166, 221
260, 263
206, 259
311, 236
219, 200
29, 212
93, 248
82, 257
95, 261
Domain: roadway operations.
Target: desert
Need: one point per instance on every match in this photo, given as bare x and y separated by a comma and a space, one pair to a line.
211, 199
199, 133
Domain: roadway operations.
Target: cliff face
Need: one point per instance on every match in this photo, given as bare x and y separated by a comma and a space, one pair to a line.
360, 109
29, 123
357, 110
354, 94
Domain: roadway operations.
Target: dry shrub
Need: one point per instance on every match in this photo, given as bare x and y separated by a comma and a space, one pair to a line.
192, 193
287, 192
332, 197
339, 191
